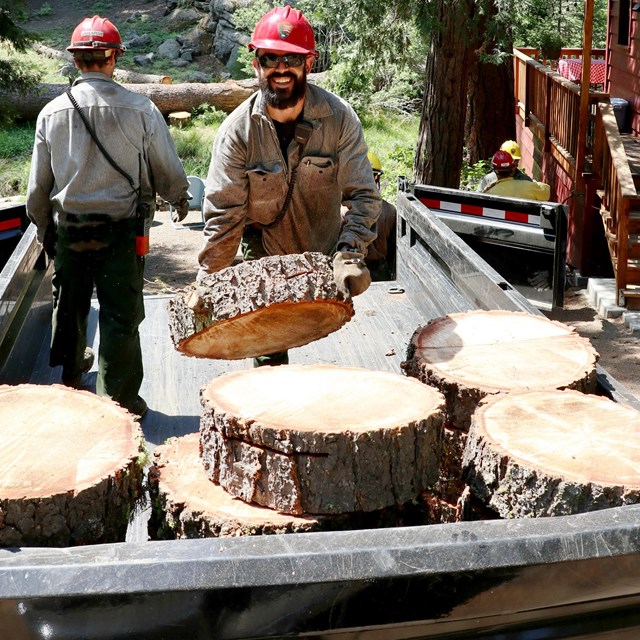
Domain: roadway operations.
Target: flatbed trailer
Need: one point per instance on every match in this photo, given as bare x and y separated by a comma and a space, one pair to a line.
563, 577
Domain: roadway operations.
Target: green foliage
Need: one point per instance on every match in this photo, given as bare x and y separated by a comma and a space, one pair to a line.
44, 11
16, 143
393, 139
471, 174
535, 20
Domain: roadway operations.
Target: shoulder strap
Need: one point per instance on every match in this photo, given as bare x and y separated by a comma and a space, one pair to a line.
111, 161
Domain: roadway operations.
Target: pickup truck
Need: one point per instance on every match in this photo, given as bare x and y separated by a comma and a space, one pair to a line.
563, 577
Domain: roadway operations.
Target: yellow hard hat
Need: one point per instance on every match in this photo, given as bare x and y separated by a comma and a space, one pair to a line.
376, 165
511, 147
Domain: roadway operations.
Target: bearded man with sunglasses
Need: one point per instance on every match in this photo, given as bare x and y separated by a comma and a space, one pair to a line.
285, 161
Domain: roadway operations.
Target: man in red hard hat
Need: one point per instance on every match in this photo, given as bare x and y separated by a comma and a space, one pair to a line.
86, 207
285, 160
508, 185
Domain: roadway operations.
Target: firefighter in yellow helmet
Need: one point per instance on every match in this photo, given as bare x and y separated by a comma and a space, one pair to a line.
509, 186
513, 149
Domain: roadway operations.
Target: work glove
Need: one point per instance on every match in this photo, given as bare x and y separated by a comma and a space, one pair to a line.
49, 242
350, 273
180, 211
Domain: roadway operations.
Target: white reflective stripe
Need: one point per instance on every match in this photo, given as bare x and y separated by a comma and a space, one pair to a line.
450, 206
493, 213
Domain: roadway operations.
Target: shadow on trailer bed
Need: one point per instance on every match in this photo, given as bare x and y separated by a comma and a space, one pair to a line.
563, 577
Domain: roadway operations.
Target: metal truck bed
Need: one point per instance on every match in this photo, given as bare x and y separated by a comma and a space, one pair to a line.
565, 577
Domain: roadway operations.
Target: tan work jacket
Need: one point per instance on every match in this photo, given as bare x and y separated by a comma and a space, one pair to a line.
248, 181
70, 175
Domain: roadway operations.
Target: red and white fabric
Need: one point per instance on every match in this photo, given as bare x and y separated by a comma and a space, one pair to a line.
571, 69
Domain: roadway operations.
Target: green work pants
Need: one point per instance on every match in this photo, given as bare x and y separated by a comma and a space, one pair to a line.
117, 274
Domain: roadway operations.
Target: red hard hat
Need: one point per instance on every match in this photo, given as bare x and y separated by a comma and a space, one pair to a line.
502, 161
95, 34
284, 29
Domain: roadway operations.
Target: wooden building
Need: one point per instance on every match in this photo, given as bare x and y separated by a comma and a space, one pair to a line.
586, 144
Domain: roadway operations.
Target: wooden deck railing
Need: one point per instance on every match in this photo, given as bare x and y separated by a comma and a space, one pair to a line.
552, 104
617, 192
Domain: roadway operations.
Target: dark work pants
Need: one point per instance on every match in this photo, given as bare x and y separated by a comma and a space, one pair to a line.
117, 274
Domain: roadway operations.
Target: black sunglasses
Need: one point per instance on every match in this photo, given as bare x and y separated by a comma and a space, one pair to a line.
271, 60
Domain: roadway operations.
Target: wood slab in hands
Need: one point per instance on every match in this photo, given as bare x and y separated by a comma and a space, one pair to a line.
321, 439
71, 467
471, 355
548, 453
259, 307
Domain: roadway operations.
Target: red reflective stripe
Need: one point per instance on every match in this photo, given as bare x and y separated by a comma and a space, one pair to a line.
516, 217
12, 223
472, 209
432, 204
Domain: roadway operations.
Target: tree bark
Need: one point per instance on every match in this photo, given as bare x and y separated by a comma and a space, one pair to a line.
441, 137
490, 99
186, 504
321, 439
225, 96
258, 307
71, 469
551, 453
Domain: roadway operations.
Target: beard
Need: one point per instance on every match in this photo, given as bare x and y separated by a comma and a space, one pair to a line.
284, 98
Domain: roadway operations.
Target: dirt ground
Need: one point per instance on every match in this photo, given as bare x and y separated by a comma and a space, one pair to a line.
172, 264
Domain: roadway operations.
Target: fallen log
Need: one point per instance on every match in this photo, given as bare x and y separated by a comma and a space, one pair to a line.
258, 307
321, 439
71, 467
186, 96
551, 453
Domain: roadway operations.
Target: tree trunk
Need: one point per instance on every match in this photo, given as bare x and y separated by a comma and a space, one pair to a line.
439, 154
225, 96
491, 108
258, 307
187, 504
490, 99
71, 467
321, 439
551, 453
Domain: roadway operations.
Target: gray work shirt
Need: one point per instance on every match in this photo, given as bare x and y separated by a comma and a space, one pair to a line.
248, 181
70, 175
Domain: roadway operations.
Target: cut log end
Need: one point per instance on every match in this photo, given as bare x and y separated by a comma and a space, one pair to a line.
258, 307
270, 330
553, 453
72, 467
321, 439
471, 355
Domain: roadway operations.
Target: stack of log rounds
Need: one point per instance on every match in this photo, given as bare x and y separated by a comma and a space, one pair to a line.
72, 470
549, 453
258, 307
188, 505
321, 439
469, 356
